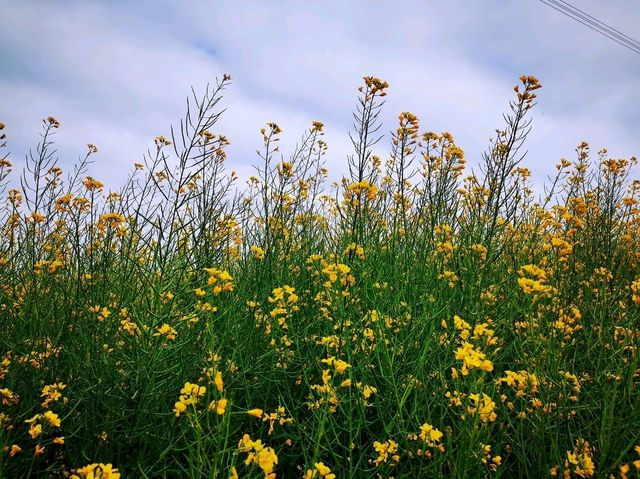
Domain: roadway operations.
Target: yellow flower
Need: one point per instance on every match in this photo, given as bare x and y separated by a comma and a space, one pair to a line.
340, 366
484, 406
52, 419
255, 413
472, 358
368, 391
97, 471
15, 449
219, 406
384, 449
218, 381
92, 184
53, 122
167, 331
37, 217
320, 470
257, 252
179, 408
257, 453
52, 393
430, 435
194, 390
219, 280
35, 430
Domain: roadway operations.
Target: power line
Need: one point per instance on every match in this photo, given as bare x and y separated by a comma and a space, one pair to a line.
594, 24
616, 33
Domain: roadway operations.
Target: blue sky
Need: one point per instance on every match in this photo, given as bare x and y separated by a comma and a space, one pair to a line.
116, 73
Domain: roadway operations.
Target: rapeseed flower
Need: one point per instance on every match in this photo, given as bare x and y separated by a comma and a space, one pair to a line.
319, 470
259, 454
96, 471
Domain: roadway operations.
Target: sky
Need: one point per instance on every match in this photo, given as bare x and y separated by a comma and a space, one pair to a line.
117, 73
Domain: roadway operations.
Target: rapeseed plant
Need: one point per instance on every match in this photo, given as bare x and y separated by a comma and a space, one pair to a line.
411, 319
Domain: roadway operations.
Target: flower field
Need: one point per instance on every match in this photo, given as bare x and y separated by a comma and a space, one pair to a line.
416, 318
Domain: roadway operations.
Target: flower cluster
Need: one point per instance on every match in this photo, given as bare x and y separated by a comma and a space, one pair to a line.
257, 453
96, 471
190, 395
219, 280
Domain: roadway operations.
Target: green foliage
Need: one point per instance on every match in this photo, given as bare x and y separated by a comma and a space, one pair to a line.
404, 322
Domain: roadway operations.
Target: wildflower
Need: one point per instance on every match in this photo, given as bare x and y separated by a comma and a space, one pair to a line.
219, 406
15, 449
161, 141
166, 331
97, 471
358, 250
472, 358
37, 217
131, 328
8, 397
579, 460
338, 271
193, 391
635, 291
92, 184
166, 296
190, 394
179, 408
461, 325
260, 455
533, 281
92, 148
338, 364
52, 393
319, 470
368, 391
219, 280
278, 416
35, 428
255, 413
218, 381
431, 436
101, 313
384, 449
484, 406
52, 419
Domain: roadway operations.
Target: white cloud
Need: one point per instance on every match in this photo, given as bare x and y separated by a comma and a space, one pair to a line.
117, 74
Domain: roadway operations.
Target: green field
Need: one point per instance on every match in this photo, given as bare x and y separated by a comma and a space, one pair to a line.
415, 319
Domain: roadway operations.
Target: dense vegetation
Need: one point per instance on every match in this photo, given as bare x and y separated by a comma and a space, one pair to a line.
406, 321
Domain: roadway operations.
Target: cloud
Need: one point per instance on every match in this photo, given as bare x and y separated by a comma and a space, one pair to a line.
116, 74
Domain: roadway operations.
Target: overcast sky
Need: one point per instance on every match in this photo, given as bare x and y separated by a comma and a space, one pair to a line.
117, 73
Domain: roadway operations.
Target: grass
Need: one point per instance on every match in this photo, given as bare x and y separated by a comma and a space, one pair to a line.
408, 321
